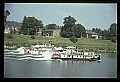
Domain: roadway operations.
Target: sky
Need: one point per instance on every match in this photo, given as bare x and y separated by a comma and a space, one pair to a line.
90, 15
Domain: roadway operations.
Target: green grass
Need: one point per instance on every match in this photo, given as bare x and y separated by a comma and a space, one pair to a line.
83, 43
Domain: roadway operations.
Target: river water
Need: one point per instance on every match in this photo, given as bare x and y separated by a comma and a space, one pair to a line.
107, 68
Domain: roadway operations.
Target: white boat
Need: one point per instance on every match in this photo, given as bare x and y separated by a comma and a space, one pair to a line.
71, 53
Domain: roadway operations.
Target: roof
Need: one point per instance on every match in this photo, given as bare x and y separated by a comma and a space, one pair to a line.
70, 47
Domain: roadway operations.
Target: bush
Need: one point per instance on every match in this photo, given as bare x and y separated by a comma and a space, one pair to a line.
113, 39
73, 39
32, 37
93, 37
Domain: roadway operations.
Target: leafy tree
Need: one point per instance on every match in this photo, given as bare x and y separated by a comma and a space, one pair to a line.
105, 34
80, 30
6, 13
113, 39
31, 25
93, 30
113, 30
52, 26
68, 30
73, 39
71, 29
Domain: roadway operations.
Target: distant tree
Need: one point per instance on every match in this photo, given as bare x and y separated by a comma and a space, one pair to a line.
80, 31
105, 34
73, 39
52, 26
68, 30
113, 39
113, 30
93, 30
6, 13
31, 25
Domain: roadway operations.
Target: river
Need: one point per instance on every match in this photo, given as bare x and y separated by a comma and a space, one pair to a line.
107, 68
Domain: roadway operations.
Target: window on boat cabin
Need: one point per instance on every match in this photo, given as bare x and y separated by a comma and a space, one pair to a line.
77, 55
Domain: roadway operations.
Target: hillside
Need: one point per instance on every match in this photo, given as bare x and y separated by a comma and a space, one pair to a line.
83, 43
13, 23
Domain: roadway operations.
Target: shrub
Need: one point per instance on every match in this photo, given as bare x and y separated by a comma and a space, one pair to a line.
73, 39
113, 39
32, 37
93, 37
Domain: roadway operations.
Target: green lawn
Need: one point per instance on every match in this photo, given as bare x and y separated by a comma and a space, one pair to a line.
82, 43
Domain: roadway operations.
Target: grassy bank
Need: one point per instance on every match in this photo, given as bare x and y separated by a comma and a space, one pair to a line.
83, 43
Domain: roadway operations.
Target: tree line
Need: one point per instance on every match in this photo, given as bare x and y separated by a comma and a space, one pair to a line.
31, 25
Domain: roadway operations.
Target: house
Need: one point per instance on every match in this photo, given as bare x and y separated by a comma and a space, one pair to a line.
8, 29
92, 34
51, 32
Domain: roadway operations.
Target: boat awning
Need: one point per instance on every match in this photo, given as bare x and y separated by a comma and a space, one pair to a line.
58, 48
70, 47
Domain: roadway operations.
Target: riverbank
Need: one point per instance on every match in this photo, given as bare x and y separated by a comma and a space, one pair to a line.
83, 43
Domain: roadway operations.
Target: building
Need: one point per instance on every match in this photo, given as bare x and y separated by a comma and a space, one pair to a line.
8, 29
50, 32
92, 34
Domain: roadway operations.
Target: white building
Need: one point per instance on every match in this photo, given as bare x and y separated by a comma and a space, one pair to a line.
92, 34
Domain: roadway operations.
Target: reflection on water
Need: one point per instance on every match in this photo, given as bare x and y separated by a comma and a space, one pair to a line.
60, 69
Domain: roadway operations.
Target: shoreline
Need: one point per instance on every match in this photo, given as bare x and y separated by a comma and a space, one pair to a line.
96, 51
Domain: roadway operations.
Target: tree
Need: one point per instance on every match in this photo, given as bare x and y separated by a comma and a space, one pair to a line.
104, 34
80, 31
73, 39
113, 30
52, 26
93, 30
68, 30
31, 25
6, 13
113, 39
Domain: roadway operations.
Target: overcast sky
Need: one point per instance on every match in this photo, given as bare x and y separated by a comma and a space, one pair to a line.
90, 15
